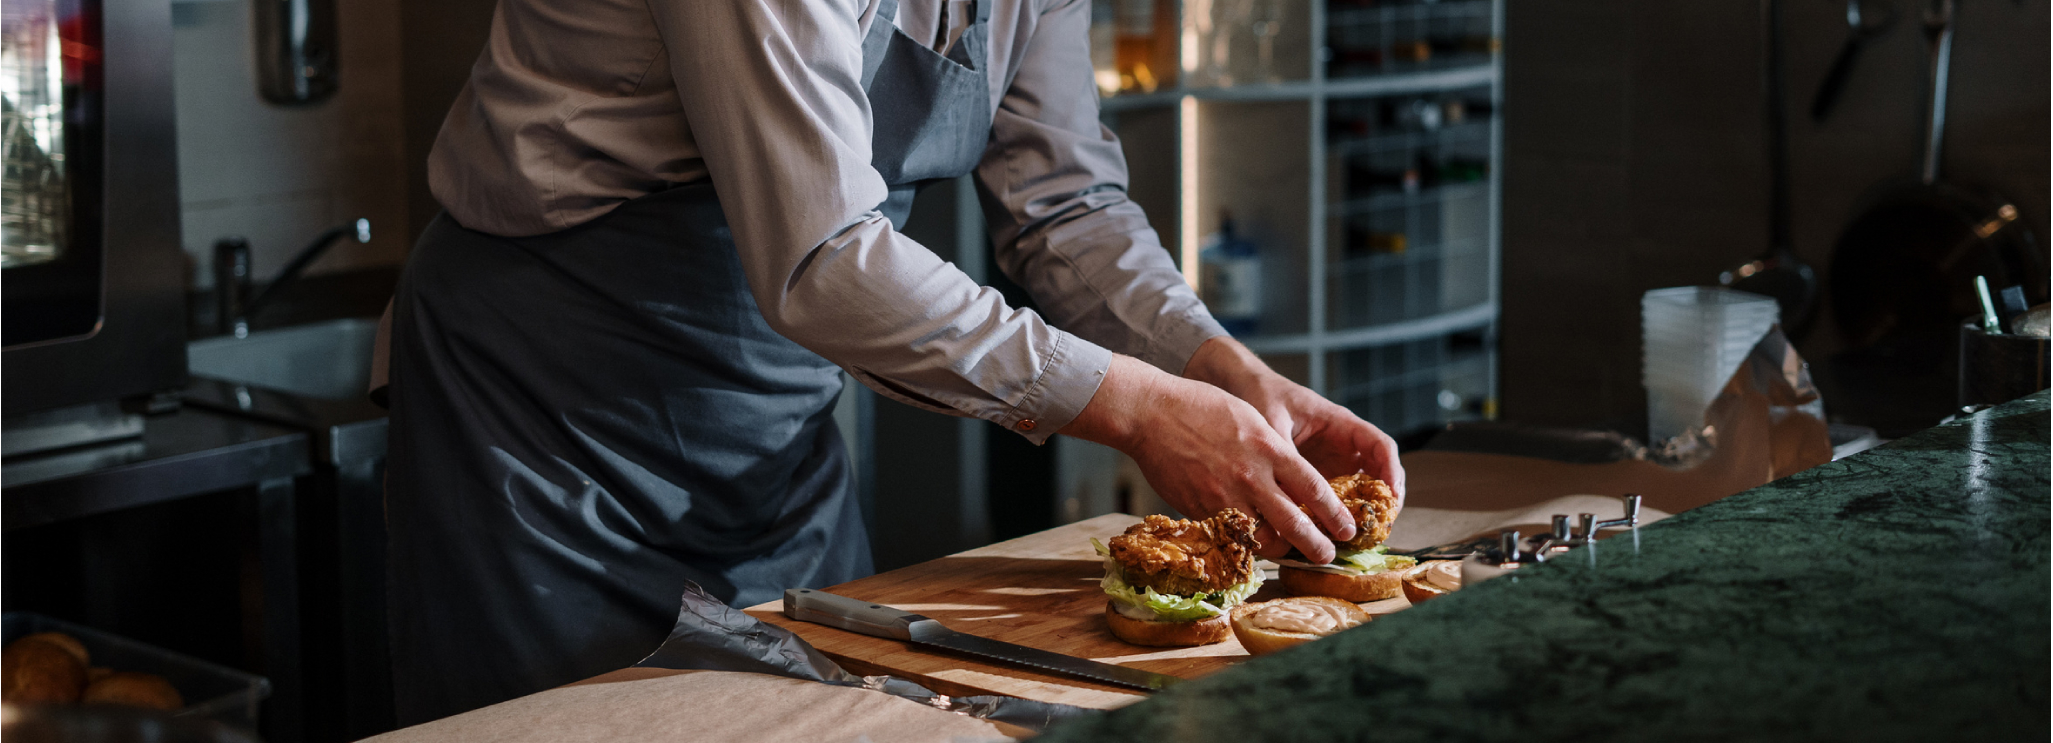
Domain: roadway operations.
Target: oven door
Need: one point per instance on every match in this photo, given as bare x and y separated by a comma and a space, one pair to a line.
52, 90
94, 277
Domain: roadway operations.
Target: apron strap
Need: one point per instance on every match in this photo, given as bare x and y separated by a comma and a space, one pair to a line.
969, 49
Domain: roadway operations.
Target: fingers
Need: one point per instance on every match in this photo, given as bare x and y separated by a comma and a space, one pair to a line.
1268, 544
1379, 456
1292, 529
1308, 488
1346, 442
1280, 419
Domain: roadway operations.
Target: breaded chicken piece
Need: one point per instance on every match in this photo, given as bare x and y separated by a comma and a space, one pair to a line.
1183, 557
1373, 504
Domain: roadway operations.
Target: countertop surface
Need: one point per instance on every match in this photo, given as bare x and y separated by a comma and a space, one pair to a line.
184, 453
1899, 594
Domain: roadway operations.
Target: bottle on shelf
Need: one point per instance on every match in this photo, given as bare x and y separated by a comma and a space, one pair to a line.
1207, 25
1416, 114
1462, 170
1345, 124
1362, 241
1230, 278
1144, 44
1365, 177
1453, 111
1411, 50
1104, 42
1268, 23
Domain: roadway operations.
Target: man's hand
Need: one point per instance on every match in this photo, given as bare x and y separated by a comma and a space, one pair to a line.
1332, 438
1203, 450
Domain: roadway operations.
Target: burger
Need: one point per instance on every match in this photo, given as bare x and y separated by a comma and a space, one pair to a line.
1362, 570
1172, 582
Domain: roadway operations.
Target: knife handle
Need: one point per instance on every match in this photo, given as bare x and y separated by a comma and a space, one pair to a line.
877, 620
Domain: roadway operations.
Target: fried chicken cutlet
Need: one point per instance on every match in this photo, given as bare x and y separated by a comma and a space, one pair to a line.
1373, 505
1184, 557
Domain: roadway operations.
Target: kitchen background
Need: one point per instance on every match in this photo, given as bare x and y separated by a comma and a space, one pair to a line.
1620, 149
1632, 155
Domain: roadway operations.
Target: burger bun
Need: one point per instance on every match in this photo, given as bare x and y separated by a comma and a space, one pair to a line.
132, 689
1268, 626
1420, 586
1344, 586
1159, 633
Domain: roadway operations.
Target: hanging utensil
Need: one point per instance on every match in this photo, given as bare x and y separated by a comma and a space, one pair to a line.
1778, 272
1902, 273
1864, 21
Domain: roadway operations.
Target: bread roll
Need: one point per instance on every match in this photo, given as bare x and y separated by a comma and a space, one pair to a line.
134, 689
1432, 579
1157, 633
1348, 587
1268, 626
36, 671
70, 644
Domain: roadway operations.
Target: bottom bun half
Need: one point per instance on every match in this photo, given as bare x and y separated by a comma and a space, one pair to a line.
1268, 626
1155, 633
1356, 588
1419, 587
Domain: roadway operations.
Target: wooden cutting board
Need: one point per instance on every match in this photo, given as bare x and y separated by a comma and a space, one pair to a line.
1041, 591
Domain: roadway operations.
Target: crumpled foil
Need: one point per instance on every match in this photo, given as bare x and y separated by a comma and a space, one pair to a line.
1774, 376
712, 636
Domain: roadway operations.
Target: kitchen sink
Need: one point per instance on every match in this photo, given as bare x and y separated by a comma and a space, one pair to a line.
313, 376
324, 360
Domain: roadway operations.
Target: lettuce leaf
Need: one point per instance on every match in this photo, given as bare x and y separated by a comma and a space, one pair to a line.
1371, 561
1168, 606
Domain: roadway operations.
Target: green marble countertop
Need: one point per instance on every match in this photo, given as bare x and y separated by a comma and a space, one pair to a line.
1899, 594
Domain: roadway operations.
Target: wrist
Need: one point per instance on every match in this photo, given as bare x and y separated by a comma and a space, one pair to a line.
1226, 364
1115, 416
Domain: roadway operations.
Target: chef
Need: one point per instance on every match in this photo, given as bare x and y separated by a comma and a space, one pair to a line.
671, 226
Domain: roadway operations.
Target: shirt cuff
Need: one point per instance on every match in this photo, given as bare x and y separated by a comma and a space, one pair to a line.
1179, 339
1065, 385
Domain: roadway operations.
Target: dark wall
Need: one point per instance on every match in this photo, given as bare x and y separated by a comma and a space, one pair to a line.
439, 41
1634, 160
281, 174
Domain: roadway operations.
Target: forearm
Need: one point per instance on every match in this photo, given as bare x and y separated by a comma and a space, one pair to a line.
1095, 269
1053, 182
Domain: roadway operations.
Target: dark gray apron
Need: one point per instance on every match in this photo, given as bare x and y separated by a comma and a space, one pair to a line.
583, 421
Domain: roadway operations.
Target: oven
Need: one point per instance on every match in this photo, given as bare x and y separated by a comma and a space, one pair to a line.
93, 324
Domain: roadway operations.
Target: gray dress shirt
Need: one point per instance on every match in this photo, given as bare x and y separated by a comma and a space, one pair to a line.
578, 105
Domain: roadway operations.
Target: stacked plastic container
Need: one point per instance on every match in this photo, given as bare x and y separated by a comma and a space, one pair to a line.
1694, 338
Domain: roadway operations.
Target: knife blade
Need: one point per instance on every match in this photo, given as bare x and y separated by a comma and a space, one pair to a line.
878, 620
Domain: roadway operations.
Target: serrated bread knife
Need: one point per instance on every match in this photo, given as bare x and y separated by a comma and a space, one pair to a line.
878, 620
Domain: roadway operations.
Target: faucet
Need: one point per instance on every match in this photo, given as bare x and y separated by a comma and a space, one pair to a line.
232, 274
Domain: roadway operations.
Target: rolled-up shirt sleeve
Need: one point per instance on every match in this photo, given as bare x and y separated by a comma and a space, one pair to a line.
1054, 188
774, 98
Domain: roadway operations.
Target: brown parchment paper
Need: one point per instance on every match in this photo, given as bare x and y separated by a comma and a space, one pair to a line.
656, 705
1767, 423
1419, 527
